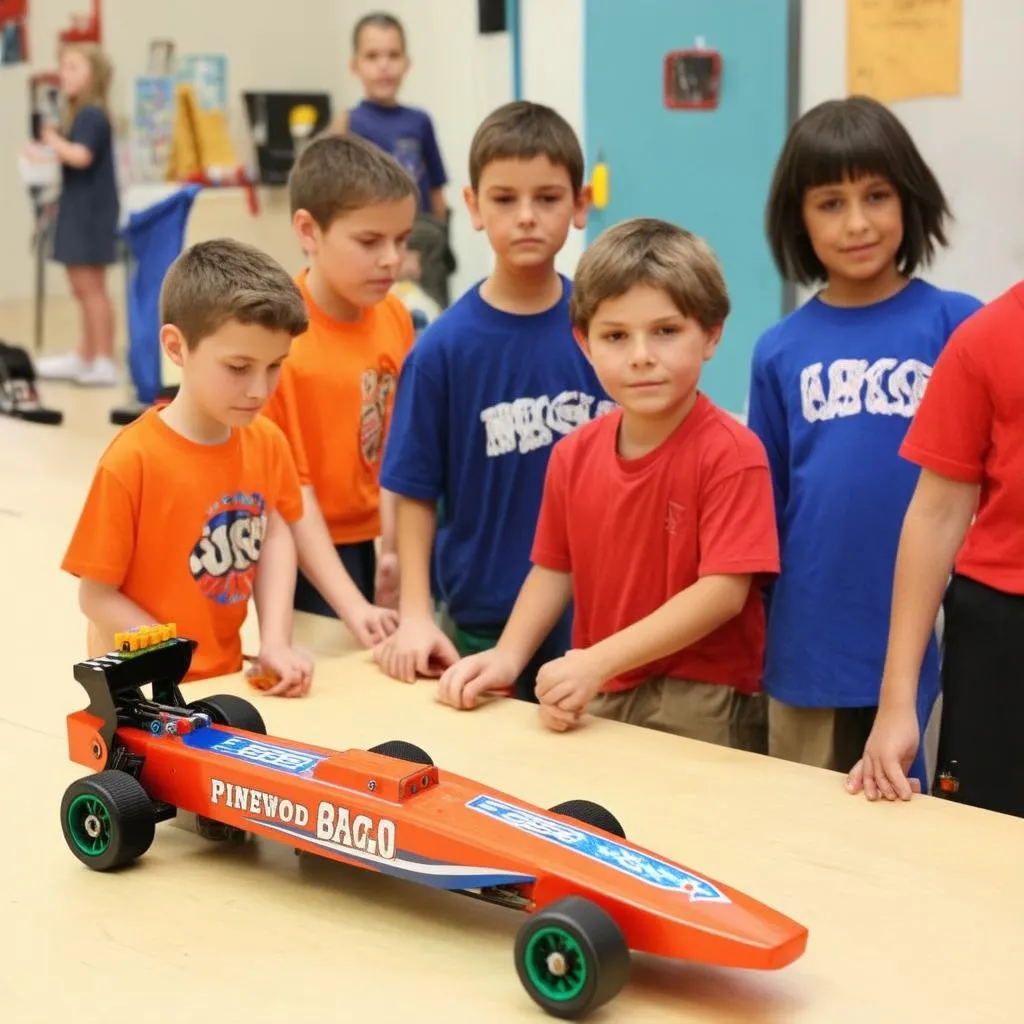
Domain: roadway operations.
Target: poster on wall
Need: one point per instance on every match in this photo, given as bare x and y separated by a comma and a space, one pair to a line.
152, 127
897, 50
13, 31
207, 73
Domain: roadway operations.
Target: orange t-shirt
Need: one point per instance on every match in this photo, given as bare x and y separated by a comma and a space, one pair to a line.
178, 527
333, 401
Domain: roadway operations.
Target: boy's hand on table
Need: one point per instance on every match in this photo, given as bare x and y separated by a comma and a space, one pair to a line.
369, 623
566, 686
466, 682
385, 585
888, 755
552, 716
293, 668
417, 647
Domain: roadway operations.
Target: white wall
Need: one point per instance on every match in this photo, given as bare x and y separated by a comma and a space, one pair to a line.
458, 76
265, 49
552, 73
973, 142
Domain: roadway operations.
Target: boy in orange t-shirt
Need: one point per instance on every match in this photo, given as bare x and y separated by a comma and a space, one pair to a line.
353, 207
187, 514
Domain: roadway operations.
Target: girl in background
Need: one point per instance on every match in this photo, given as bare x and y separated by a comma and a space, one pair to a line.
853, 207
87, 219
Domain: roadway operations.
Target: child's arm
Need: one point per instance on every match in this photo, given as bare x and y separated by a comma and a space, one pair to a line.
949, 437
319, 560
436, 172
109, 611
419, 646
338, 125
386, 585
936, 523
414, 469
738, 539
74, 154
438, 205
273, 595
766, 417
573, 681
542, 601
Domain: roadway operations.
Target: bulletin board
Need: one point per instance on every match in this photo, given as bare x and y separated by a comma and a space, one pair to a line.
900, 51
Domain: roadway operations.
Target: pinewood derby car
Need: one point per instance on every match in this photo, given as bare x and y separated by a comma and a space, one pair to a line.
589, 896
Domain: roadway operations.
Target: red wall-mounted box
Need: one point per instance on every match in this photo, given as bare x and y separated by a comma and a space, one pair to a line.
693, 79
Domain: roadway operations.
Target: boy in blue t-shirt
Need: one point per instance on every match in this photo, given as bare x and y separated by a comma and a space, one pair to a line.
488, 388
380, 61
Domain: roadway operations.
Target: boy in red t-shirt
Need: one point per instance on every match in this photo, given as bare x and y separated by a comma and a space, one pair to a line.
657, 519
967, 515
353, 208
187, 515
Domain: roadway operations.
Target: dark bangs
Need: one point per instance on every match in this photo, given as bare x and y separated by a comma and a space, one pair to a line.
851, 138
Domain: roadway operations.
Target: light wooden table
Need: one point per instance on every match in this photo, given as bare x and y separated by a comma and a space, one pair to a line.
916, 912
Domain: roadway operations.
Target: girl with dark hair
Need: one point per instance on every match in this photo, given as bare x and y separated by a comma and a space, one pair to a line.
855, 209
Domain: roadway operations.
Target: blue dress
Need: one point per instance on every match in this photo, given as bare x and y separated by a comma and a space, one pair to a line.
88, 213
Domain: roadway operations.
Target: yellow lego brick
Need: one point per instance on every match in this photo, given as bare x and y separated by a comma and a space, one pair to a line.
142, 637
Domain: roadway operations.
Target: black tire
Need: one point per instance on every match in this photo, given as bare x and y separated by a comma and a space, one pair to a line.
403, 751
594, 958
591, 814
234, 712
107, 819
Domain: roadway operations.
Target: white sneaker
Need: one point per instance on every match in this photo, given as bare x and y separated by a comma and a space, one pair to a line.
67, 366
100, 373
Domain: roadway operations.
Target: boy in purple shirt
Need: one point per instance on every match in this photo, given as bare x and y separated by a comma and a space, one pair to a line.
380, 61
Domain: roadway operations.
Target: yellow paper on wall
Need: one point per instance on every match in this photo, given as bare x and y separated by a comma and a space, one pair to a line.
903, 49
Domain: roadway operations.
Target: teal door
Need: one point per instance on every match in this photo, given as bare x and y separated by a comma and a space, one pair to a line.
706, 170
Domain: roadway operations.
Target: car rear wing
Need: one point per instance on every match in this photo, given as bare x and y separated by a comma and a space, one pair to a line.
149, 655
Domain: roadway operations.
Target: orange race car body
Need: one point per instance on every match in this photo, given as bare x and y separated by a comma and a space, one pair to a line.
403, 816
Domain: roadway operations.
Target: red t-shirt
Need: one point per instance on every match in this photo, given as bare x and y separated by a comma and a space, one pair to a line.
636, 532
969, 427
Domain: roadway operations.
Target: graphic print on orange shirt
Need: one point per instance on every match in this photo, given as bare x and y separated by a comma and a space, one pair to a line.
223, 561
377, 387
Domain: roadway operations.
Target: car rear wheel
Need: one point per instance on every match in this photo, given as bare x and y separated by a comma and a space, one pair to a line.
403, 751
591, 814
107, 819
234, 712
571, 958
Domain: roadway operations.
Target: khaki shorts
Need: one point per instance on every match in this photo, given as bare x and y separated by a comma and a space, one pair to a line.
698, 711
831, 738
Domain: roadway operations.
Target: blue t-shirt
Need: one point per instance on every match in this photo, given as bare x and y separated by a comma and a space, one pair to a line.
832, 394
482, 397
408, 135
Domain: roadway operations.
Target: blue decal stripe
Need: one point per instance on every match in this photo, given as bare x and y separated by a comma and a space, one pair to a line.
289, 760
409, 866
603, 849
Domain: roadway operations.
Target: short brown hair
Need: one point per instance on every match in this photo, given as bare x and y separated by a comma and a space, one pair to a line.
851, 137
335, 174
646, 251
520, 131
214, 282
377, 19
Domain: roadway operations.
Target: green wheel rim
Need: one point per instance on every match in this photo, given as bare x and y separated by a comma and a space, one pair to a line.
556, 964
89, 825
